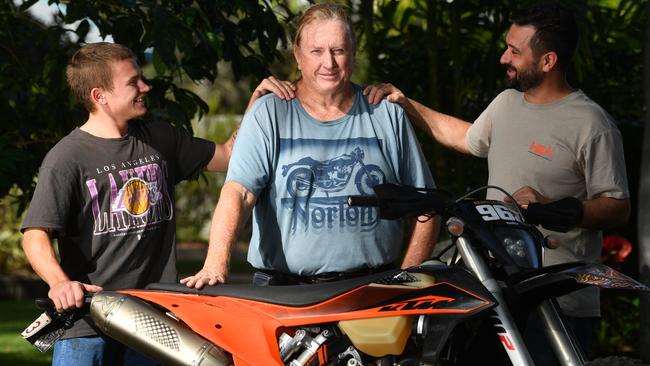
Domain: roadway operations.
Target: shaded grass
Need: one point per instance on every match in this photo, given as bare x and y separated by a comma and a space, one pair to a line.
15, 316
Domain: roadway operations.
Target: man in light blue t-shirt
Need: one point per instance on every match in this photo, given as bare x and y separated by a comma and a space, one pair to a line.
302, 171
295, 162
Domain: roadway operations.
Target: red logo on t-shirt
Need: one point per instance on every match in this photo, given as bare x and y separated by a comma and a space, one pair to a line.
540, 150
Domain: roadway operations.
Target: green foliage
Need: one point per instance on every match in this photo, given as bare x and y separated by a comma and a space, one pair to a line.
35, 104
608, 65
182, 40
12, 257
14, 350
619, 325
196, 200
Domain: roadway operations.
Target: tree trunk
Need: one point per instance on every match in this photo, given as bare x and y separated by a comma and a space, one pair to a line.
644, 205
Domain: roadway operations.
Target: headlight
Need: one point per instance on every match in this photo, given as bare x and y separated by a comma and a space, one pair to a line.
515, 247
520, 245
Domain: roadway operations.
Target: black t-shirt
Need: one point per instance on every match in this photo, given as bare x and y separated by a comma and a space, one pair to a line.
110, 202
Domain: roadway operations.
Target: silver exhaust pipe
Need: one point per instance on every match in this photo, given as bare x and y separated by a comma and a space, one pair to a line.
144, 328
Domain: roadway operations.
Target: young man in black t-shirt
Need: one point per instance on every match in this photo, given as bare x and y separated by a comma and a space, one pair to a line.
106, 192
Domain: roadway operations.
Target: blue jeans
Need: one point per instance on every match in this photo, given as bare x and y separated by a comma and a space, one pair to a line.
96, 351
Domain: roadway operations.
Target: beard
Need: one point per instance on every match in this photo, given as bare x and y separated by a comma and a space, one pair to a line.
525, 79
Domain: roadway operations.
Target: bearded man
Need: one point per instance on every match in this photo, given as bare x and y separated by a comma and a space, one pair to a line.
544, 140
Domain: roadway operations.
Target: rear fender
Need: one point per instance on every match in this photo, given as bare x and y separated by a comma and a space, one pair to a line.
561, 279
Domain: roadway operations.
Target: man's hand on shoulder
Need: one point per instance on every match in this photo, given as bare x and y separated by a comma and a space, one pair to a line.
68, 295
377, 92
285, 90
206, 276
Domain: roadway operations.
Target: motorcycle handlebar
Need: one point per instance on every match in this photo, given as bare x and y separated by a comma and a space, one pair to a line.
363, 201
45, 303
397, 201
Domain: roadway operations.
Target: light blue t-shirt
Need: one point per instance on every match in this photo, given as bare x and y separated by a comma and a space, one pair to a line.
301, 170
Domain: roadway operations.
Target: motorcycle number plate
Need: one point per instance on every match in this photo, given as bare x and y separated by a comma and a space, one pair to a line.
497, 212
38, 324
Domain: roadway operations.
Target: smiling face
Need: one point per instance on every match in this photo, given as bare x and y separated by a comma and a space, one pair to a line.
126, 100
325, 56
522, 67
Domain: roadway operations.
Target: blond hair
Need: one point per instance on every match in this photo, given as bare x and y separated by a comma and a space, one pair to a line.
325, 12
90, 67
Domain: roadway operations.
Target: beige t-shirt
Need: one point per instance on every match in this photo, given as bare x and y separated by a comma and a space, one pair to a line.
570, 147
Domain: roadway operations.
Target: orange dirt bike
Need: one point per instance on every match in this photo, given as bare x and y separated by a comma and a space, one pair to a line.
433, 314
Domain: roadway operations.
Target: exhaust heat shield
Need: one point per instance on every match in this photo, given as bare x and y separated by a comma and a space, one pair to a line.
144, 328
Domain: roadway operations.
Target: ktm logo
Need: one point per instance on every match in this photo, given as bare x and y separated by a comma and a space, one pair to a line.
427, 302
540, 150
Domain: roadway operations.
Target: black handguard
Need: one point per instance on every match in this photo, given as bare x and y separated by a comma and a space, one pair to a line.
363, 201
396, 202
561, 216
51, 325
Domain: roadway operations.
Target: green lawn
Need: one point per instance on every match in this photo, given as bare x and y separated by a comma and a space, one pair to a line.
14, 350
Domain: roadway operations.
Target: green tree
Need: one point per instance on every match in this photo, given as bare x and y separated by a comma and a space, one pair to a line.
181, 39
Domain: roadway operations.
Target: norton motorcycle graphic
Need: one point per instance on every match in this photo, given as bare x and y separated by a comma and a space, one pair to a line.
331, 175
317, 190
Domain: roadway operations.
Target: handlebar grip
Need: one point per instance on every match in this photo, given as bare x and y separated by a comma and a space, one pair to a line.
363, 201
45, 303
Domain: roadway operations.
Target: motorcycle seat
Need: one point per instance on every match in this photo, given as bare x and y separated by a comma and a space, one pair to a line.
292, 295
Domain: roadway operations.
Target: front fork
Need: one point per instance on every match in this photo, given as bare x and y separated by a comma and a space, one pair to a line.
503, 322
566, 350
